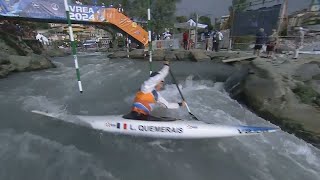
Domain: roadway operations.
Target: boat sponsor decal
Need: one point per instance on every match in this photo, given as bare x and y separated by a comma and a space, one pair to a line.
192, 127
249, 130
108, 124
124, 126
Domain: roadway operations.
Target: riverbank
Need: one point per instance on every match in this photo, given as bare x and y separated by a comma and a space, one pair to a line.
19, 55
287, 93
283, 91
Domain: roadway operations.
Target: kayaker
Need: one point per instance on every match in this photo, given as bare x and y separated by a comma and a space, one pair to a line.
148, 96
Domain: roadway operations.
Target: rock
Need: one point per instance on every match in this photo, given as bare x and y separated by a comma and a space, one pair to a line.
119, 54
234, 83
211, 54
267, 93
306, 72
57, 52
21, 63
137, 54
170, 56
29, 63
316, 77
199, 55
35, 45
183, 55
158, 55
3, 71
14, 45
4, 58
317, 101
4, 48
315, 84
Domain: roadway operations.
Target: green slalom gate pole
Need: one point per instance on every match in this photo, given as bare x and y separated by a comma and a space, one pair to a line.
73, 45
149, 35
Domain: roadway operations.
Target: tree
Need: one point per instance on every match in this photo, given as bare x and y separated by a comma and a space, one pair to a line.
206, 20
162, 12
237, 5
181, 19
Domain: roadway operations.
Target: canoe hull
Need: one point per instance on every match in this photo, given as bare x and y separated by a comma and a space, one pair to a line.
180, 129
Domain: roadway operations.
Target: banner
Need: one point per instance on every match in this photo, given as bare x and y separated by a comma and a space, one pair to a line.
50, 9
166, 44
249, 22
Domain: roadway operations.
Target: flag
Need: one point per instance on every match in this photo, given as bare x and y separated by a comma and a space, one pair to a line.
124, 126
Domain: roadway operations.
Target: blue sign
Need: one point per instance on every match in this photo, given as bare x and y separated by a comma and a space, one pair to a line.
50, 9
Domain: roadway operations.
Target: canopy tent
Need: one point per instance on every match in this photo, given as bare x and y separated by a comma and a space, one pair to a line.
190, 25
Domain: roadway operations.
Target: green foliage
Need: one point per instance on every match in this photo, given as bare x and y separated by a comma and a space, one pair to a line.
237, 5
193, 15
206, 20
162, 11
306, 94
42, 25
243, 42
181, 19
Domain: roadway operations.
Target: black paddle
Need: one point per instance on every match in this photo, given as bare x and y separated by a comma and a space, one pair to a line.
175, 82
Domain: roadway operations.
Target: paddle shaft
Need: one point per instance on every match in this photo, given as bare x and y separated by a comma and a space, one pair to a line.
175, 82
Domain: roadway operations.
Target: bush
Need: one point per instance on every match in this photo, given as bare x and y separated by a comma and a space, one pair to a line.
243, 42
306, 94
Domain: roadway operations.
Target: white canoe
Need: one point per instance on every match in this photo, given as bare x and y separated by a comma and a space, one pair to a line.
179, 129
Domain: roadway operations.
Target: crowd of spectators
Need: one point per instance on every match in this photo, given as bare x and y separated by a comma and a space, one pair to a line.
270, 42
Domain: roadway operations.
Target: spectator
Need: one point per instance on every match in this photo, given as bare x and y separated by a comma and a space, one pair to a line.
166, 35
216, 38
207, 34
185, 40
19, 31
110, 44
298, 42
153, 36
260, 41
79, 2
272, 42
120, 9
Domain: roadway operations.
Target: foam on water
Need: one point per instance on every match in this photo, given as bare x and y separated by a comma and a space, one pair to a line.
110, 86
207, 102
27, 156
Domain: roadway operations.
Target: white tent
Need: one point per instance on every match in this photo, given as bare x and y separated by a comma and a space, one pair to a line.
190, 25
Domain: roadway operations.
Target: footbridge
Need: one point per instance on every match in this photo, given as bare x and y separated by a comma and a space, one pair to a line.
53, 11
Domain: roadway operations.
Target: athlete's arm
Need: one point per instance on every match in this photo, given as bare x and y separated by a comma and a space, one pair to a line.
149, 84
167, 104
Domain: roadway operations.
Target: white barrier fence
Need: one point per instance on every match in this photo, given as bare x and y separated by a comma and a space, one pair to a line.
166, 44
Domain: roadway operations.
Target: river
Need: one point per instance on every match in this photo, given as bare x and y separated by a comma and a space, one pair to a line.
35, 147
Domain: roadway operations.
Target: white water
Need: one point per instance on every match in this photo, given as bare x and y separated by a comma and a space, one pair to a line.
46, 146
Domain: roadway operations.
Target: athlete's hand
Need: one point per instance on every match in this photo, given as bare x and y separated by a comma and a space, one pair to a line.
183, 104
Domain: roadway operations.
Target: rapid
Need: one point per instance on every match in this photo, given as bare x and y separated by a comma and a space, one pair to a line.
36, 147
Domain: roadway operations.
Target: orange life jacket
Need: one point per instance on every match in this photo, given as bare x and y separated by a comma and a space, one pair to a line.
143, 102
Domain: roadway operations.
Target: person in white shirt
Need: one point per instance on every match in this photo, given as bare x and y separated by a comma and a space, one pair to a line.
216, 38
299, 42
